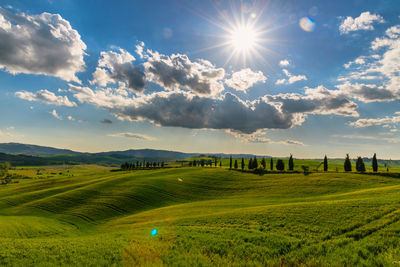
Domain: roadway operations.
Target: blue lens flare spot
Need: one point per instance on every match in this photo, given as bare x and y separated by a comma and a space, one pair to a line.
153, 232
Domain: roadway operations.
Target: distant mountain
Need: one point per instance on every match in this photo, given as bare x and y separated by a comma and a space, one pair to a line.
33, 150
24, 154
151, 153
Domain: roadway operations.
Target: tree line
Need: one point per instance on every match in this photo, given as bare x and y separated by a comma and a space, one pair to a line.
141, 165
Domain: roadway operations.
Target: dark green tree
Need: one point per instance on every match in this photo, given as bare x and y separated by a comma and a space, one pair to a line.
202, 162
250, 166
263, 163
374, 163
291, 163
255, 163
347, 164
220, 163
194, 163
271, 164
230, 162
242, 164
280, 165
360, 167
236, 164
325, 164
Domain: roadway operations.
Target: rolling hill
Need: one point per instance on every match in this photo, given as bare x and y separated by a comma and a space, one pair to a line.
90, 216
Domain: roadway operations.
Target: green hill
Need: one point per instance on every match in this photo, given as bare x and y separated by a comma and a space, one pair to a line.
89, 216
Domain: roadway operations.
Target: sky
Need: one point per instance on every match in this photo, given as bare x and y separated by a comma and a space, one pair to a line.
306, 78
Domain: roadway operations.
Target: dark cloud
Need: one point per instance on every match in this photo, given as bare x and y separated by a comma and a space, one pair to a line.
106, 121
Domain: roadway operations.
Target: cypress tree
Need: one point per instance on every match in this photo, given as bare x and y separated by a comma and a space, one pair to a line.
271, 164
236, 164
360, 167
325, 164
242, 164
280, 166
255, 163
220, 163
250, 166
374, 163
230, 162
263, 163
347, 164
291, 164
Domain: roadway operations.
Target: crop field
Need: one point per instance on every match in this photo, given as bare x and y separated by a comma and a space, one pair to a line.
87, 215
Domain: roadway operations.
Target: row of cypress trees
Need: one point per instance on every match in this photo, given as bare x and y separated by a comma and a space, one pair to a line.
253, 164
280, 165
360, 166
141, 165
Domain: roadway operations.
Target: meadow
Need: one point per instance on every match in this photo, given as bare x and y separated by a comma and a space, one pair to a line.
87, 215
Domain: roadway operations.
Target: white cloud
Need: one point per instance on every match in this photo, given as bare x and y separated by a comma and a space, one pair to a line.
244, 79
117, 67
386, 121
134, 136
70, 118
105, 98
378, 71
185, 109
284, 63
139, 50
178, 71
40, 44
291, 78
363, 22
259, 137
46, 97
55, 115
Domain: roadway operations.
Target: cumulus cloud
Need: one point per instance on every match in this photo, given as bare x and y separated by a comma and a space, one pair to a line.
291, 78
381, 69
178, 71
368, 92
363, 22
133, 135
284, 63
180, 108
105, 98
386, 121
40, 44
46, 97
258, 137
55, 115
244, 79
117, 67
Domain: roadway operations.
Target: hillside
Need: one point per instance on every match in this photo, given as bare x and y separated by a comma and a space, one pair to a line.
87, 215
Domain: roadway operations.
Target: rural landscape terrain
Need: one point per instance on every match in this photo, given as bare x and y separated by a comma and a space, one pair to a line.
200, 133
96, 215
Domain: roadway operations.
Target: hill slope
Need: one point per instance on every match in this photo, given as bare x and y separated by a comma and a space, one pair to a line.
214, 217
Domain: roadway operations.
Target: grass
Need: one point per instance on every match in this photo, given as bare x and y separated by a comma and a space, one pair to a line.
89, 216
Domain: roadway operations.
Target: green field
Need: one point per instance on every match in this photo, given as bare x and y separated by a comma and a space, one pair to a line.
86, 215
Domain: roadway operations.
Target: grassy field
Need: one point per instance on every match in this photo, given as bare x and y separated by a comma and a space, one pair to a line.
88, 216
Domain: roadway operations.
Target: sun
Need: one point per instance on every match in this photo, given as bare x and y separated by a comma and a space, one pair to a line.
243, 38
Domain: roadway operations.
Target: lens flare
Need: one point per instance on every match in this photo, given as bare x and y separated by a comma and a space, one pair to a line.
307, 24
153, 232
180, 180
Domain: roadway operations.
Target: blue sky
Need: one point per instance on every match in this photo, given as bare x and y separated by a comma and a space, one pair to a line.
266, 77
